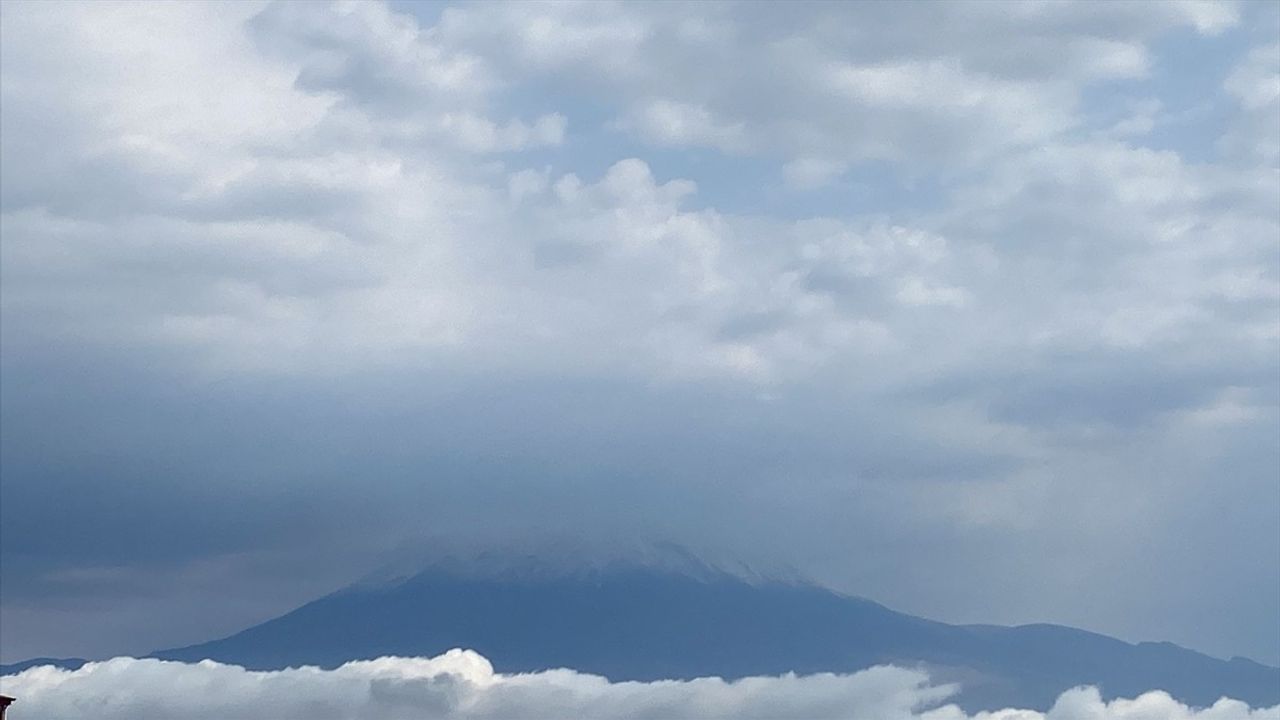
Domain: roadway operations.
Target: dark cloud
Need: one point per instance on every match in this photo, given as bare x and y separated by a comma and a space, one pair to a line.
279, 295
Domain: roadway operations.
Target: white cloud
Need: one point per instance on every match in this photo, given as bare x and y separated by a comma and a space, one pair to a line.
415, 249
811, 172
923, 88
1255, 84
483, 135
665, 122
550, 36
1207, 16
462, 684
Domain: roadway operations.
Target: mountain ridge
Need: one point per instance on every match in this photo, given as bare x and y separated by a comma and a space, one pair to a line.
648, 620
634, 622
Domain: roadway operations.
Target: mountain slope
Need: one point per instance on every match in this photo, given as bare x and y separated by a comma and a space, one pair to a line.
64, 663
639, 623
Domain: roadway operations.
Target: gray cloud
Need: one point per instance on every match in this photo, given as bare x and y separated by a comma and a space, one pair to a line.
831, 83
290, 280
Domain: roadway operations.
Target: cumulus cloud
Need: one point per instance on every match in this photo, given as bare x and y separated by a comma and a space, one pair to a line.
664, 122
920, 86
337, 202
462, 684
1255, 84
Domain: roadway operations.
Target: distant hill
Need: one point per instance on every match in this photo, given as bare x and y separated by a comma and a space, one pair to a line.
638, 622
66, 663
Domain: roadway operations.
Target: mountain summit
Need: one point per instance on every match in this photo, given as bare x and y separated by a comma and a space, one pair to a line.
635, 621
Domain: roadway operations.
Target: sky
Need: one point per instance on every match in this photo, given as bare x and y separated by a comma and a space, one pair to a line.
969, 308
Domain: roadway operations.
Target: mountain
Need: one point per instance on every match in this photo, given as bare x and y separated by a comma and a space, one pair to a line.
638, 622
65, 663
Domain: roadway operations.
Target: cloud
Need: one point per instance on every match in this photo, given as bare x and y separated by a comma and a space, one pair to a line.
664, 122
338, 203
462, 684
811, 172
843, 275
925, 88
1255, 84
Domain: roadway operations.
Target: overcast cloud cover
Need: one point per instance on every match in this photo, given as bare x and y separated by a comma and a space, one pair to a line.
973, 309
462, 684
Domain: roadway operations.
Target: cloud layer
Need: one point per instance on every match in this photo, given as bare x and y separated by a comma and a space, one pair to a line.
962, 307
462, 684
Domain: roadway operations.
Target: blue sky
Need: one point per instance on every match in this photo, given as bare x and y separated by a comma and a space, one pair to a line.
973, 309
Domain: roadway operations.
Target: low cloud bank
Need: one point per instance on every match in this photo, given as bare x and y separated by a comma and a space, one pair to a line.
462, 684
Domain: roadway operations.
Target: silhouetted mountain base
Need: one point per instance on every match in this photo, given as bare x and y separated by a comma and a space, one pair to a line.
65, 663
630, 622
